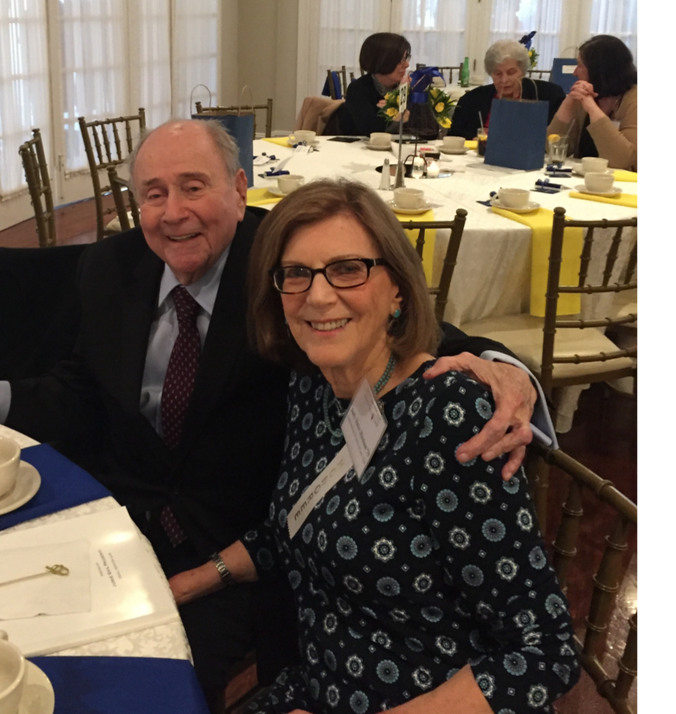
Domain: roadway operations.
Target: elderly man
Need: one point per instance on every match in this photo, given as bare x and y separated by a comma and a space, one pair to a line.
186, 420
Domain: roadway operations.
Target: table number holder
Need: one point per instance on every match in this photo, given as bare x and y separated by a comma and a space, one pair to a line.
403, 100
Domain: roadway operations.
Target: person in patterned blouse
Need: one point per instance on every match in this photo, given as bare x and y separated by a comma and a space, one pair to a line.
423, 584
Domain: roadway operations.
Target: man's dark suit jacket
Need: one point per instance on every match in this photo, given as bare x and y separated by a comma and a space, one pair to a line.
466, 115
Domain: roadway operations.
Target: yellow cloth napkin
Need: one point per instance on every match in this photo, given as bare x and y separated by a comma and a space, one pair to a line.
260, 196
470, 144
540, 223
628, 176
622, 199
279, 140
430, 237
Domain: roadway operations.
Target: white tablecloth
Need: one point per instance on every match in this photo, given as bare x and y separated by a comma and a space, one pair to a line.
162, 641
493, 272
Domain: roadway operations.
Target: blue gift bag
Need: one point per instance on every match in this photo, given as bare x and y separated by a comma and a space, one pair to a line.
241, 129
517, 135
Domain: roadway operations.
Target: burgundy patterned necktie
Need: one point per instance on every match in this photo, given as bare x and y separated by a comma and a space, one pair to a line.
178, 385
182, 369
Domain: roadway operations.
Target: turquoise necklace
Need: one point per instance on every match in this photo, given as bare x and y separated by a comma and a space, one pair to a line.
377, 388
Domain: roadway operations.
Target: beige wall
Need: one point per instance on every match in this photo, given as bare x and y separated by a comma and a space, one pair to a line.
268, 40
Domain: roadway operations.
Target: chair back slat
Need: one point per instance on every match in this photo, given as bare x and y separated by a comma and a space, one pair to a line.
40, 189
612, 256
585, 257
607, 580
565, 544
121, 190
456, 226
102, 152
541, 73
606, 586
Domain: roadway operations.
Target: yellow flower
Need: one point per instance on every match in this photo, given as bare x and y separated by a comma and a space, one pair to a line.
391, 112
445, 122
434, 92
439, 107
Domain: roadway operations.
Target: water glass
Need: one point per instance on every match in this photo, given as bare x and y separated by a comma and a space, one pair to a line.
557, 149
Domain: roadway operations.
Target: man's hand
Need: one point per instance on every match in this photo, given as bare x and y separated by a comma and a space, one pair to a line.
508, 431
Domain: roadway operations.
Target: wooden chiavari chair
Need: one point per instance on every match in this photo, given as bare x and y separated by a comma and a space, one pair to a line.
125, 208
457, 69
32, 154
108, 142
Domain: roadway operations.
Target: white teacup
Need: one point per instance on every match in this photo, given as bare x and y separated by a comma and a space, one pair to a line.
288, 184
381, 138
12, 676
601, 181
10, 456
305, 135
514, 197
409, 197
453, 143
593, 164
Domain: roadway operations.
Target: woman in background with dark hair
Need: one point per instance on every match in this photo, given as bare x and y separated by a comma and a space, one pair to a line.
384, 57
600, 112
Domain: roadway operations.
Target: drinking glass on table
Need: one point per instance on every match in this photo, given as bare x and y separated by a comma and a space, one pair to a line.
557, 149
481, 138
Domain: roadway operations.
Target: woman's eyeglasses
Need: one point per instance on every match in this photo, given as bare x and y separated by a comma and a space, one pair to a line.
340, 274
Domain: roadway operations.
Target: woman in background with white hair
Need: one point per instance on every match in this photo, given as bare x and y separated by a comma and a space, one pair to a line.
507, 62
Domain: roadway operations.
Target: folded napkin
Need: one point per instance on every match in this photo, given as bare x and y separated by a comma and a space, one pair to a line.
63, 485
540, 223
628, 176
470, 144
260, 197
430, 238
48, 594
133, 685
279, 140
621, 199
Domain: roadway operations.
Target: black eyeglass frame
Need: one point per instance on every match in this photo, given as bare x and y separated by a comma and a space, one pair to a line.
368, 262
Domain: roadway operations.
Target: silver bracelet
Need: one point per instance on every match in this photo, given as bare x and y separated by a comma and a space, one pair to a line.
226, 575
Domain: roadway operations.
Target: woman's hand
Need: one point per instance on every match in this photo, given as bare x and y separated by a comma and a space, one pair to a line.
192, 584
580, 93
508, 431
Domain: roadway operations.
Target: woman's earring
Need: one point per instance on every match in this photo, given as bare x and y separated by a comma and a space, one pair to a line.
396, 314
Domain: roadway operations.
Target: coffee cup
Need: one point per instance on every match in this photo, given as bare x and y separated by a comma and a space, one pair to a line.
409, 197
288, 184
10, 455
601, 181
453, 143
514, 197
381, 138
593, 164
304, 135
12, 676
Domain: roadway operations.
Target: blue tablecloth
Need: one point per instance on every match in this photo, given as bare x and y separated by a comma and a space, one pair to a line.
123, 685
64, 485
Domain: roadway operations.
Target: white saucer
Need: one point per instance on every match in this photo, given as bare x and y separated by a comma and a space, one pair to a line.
26, 486
409, 211
453, 152
275, 191
528, 208
614, 191
377, 147
290, 142
38, 693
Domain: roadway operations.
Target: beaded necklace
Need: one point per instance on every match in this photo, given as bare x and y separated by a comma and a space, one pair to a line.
377, 388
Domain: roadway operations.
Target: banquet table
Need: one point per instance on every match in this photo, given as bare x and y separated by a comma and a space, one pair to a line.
493, 272
492, 276
160, 652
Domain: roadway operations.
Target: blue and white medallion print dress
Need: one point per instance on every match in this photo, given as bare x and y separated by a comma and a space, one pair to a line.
423, 565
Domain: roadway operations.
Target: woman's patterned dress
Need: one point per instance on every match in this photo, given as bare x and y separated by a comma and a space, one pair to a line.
422, 565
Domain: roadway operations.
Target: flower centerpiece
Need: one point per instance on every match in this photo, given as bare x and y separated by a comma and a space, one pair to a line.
426, 91
527, 41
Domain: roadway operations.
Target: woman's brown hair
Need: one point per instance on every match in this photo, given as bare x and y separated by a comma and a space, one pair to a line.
413, 332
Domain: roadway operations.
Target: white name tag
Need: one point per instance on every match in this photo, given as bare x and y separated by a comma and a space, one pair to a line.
327, 479
568, 69
363, 426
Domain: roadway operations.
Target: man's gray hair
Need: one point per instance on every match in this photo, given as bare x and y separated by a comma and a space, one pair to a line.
224, 143
503, 50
